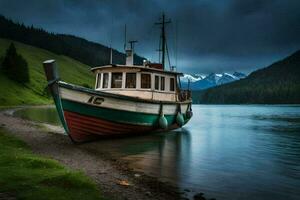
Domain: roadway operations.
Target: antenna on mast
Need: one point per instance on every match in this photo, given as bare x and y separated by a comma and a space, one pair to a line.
163, 22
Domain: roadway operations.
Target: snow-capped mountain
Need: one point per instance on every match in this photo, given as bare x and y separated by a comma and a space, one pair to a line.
199, 82
191, 77
226, 78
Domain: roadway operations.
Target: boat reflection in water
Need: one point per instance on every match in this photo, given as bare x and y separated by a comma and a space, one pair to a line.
166, 156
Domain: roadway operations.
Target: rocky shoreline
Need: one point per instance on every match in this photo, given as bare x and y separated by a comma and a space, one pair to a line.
114, 177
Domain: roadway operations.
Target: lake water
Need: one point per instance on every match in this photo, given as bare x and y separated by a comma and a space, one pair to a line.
40, 114
226, 152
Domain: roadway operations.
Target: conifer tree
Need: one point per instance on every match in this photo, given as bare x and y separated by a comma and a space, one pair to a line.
15, 66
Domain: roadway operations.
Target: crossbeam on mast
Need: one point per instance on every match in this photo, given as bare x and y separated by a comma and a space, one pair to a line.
163, 23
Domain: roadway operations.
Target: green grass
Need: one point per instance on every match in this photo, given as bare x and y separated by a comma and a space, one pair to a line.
33, 92
28, 176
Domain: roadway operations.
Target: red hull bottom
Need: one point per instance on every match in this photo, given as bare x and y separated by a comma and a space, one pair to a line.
85, 128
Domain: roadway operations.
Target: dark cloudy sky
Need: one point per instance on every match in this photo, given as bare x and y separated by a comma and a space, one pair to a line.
213, 36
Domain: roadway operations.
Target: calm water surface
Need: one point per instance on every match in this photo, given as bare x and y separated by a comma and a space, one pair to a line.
40, 114
226, 152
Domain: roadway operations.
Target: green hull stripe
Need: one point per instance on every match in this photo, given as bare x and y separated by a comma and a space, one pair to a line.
121, 116
58, 104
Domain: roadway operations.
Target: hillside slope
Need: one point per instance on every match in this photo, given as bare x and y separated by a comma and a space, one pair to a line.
279, 83
87, 52
33, 92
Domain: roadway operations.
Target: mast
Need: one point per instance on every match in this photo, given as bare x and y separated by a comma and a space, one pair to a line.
163, 38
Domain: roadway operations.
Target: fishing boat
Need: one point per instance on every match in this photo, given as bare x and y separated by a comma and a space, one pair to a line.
127, 100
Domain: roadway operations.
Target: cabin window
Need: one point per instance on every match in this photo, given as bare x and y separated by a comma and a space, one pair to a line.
116, 80
172, 84
98, 80
105, 80
156, 83
162, 83
145, 81
130, 80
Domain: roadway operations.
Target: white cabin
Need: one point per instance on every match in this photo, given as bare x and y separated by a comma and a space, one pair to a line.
138, 81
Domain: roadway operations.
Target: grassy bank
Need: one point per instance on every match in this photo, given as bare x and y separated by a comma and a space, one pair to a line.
13, 93
24, 175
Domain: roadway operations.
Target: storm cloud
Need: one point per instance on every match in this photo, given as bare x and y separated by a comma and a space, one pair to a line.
212, 36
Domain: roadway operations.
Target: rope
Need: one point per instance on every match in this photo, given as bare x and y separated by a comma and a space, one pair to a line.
161, 109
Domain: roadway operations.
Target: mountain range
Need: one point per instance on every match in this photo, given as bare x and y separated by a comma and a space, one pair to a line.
200, 82
278, 83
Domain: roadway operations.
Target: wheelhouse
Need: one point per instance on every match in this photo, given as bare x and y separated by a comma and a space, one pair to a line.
138, 81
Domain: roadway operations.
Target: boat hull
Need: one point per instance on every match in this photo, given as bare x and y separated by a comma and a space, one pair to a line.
86, 128
90, 115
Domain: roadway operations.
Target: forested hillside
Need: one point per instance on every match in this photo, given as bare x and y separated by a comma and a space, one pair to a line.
277, 84
89, 53
34, 91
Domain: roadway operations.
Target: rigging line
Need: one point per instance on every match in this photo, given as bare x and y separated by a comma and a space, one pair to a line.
176, 44
154, 38
168, 56
171, 50
159, 50
171, 43
125, 38
149, 38
111, 31
149, 34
